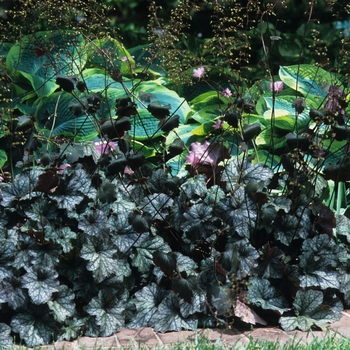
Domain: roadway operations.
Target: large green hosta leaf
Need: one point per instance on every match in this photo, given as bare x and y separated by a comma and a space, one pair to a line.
60, 52
308, 79
110, 54
55, 117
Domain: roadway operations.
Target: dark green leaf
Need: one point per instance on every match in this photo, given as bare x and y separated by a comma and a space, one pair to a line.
195, 188
41, 283
147, 301
271, 265
238, 211
6, 340
20, 188
101, 258
197, 222
71, 192
169, 318
109, 312
94, 223
62, 304
7, 253
165, 261
184, 287
261, 293
241, 171
143, 257
34, 326
12, 293
62, 236
309, 310
158, 204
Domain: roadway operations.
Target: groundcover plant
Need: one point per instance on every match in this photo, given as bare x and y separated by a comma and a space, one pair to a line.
125, 203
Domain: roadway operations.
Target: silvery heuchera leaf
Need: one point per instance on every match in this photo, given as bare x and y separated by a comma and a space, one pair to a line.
62, 303
62, 236
310, 310
240, 171
214, 195
13, 293
238, 211
45, 254
41, 283
343, 227
195, 188
101, 256
22, 256
197, 222
156, 181
324, 249
142, 256
198, 304
34, 326
93, 222
109, 312
42, 208
261, 293
121, 208
239, 258
344, 280
126, 241
7, 253
185, 263
168, 317
6, 340
21, 187
72, 329
319, 260
147, 301
289, 227
158, 204
270, 265
73, 189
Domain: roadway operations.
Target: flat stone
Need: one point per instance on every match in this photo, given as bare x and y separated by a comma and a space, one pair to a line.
269, 334
342, 326
101, 343
169, 338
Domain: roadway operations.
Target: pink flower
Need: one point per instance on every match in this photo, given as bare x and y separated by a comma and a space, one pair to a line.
124, 59
62, 167
277, 86
104, 147
204, 153
226, 93
199, 72
218, 124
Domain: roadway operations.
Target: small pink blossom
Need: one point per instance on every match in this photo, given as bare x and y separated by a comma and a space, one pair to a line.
128, 170
62, 167
218, 124
104, 147
204, 153
277, 86
226, 93
199, 72
124, 59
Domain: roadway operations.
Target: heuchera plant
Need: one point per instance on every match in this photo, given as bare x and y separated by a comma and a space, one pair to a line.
129, 206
